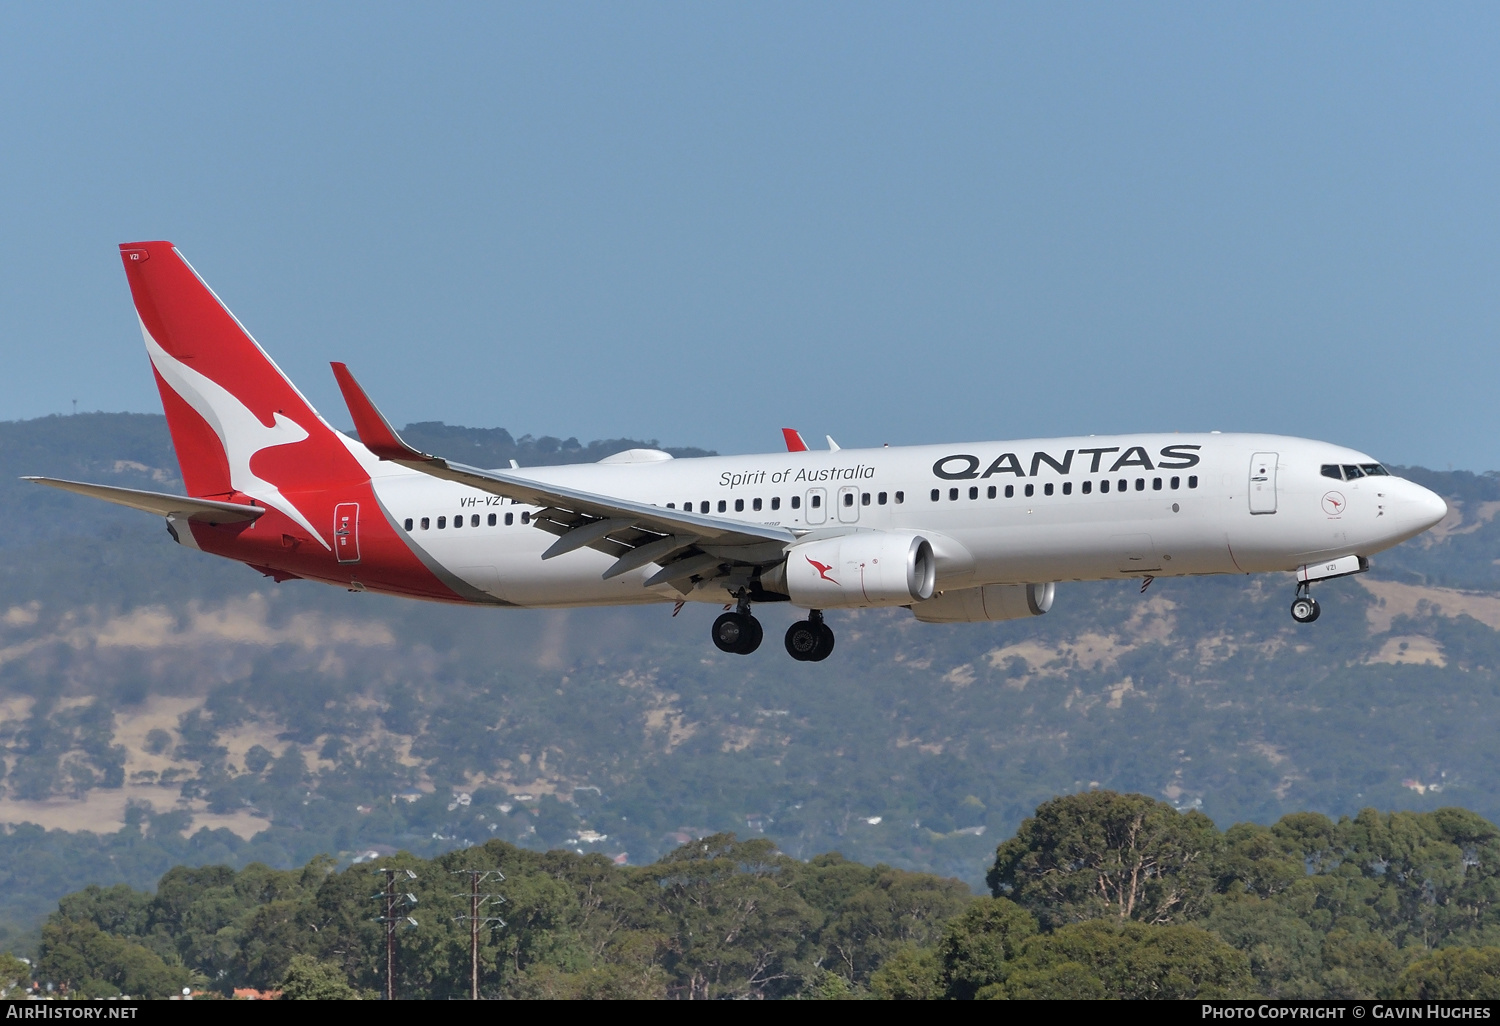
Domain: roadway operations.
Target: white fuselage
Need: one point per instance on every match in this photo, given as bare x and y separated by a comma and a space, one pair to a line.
1099, 508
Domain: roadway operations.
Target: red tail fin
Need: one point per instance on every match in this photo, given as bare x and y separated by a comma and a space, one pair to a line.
238, 424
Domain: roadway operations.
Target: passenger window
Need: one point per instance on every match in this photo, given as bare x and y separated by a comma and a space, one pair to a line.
723, 506
1176, 483
1047, 488
442, 523
492, 520
671, 505
816, 502
1122, 485
881, 498
425, 523
934, 495
407, 525
864, 498
952, 494
1332, 470
1030, 491
474, 520
756, 505
703, 506
1088, 486
900, 498
1156, 484
848, 498
991, 492
1192, 480
1140, 484
739, 505
1067, 487
510, 518
775, 502
973, 493
1103, 487
796, 502
458, 522
1010, 491
1351, 472
1374, 470
526, 517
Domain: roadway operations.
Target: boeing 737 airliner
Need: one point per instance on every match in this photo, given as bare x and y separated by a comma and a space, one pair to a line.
956, 533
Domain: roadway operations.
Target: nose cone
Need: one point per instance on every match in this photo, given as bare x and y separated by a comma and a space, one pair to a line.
1425, 508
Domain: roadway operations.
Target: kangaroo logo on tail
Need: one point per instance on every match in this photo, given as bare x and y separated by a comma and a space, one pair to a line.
240, 431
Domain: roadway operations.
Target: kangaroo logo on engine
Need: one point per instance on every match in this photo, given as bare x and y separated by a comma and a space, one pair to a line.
822, 569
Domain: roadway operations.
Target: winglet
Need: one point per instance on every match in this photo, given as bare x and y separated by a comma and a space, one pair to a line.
374, 431
794, 442
832, 445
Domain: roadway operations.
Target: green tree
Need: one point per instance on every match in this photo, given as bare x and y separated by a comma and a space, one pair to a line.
308, 979
1100, 854
733, 922
978, 945
78, 956
1127, 960
1286, 954
910, 974
1452, 974
15, 975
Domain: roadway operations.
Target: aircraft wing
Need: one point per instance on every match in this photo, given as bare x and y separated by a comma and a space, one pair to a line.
682, 543
202, 510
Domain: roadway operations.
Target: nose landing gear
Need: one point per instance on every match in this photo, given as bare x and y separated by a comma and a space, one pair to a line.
1305, 608
810, 640
738, 632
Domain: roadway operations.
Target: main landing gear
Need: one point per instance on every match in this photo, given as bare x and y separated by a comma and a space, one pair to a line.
738, 632
1305, 608
807, 641
810, 640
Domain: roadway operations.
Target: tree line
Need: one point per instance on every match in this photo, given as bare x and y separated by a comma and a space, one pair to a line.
1098, 894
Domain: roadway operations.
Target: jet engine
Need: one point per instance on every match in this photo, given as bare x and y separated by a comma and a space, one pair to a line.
870, 568
989, 603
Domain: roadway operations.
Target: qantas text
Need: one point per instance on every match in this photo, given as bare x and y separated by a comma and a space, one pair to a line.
964, 467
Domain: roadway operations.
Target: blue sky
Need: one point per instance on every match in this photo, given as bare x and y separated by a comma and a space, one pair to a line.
700, 222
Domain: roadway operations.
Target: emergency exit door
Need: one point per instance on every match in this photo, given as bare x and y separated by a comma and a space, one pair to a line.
1263, 482
849, 504
346, 532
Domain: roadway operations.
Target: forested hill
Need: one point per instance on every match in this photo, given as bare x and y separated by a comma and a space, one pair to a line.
161, 707
1098, 895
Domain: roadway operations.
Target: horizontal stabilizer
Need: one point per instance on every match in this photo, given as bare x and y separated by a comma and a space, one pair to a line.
208, 511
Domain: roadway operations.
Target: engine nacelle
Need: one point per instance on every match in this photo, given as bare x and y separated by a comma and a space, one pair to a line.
870, 568
987, 604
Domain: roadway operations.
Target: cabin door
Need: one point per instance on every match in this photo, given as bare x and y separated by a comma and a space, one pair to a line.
1263, 482
346, 532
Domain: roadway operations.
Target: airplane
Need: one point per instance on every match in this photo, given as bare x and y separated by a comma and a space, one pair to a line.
964, 533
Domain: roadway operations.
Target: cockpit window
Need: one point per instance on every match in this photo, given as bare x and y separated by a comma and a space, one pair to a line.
1350, 471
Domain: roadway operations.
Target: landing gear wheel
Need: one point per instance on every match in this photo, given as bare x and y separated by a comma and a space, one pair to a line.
1305, 609
738, 633
809, 641
803, 639
825, 643
753, 636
